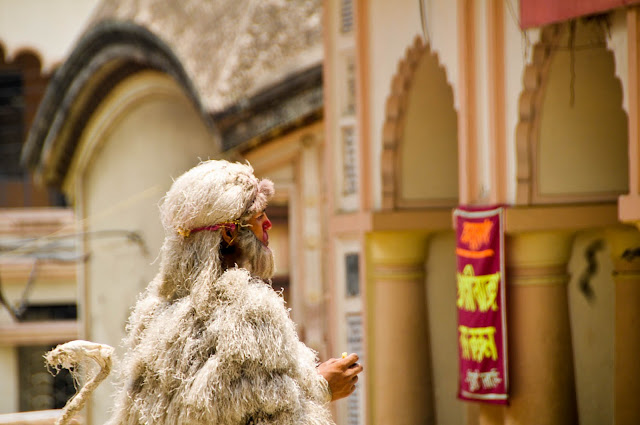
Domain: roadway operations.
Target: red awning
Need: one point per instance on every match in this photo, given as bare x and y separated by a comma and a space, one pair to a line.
535, 13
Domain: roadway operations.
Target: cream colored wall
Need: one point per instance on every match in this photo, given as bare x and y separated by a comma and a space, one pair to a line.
583, 147
144, 134
429, 148
443, 322
592, 323
9, 399
48, 27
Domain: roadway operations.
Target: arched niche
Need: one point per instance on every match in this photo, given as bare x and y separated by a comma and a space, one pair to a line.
572, 142
420, 136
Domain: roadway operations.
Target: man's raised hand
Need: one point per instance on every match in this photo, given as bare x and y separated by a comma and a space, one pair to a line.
341, 374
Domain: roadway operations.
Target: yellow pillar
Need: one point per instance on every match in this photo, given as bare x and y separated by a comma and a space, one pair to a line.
399, 357
540, 350
626, 278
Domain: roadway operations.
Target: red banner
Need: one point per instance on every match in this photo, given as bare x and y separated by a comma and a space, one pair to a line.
482, 329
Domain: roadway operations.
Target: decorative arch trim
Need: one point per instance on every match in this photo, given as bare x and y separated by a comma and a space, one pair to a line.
535, 79
395, 112
107, 54
395, 117
140, 88
527, 130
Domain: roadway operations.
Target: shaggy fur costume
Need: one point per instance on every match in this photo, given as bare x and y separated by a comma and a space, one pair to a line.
207, 347
237, 360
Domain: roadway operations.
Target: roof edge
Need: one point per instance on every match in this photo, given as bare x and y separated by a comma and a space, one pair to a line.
110, 41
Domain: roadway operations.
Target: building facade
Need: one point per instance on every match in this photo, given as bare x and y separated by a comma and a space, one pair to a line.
376, 120
434, 105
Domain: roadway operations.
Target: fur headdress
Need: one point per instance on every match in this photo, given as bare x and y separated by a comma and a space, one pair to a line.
214, 192
211, 195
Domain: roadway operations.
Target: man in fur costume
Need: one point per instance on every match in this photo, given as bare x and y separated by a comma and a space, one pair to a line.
209, 341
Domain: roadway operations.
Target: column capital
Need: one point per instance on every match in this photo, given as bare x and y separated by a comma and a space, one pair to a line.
539, 250
403, 247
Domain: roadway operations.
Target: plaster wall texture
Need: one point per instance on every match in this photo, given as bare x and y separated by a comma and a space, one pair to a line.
48, 27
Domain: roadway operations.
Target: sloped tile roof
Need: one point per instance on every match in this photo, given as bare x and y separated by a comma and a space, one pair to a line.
231, 49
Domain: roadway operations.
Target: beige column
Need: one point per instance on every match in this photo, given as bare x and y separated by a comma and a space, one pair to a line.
539, 334
626, 278
399, 374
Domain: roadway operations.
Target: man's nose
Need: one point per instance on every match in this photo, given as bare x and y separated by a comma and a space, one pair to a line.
266, 225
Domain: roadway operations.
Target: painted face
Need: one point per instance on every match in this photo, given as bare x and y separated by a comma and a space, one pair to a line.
260, 225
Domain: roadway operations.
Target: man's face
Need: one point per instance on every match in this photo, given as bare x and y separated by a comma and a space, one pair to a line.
253, 252
260, 225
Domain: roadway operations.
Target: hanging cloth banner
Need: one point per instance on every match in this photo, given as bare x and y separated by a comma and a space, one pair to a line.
482, 330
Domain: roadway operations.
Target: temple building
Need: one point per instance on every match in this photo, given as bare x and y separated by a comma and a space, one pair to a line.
384, 125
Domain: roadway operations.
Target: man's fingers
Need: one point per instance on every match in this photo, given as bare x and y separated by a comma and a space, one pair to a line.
354, 369
350, 360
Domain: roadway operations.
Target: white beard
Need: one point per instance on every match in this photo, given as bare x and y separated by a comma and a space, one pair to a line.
257, 258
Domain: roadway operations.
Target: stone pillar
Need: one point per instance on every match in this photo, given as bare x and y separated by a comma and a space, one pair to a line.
540, 351
626, 278
489, 414
399, 373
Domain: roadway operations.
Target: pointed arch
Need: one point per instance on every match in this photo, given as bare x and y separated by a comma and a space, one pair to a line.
397, 117
537, 151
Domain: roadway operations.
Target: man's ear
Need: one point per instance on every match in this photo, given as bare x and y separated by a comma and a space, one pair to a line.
229, 235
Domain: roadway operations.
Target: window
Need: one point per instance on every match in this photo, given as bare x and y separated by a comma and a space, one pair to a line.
350, 169
346, 16
11, 123
352, 268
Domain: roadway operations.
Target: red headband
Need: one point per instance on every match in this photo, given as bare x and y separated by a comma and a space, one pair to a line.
186, 232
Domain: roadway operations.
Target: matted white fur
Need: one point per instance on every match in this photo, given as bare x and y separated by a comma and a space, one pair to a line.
237, 360
211, 347
214, 192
